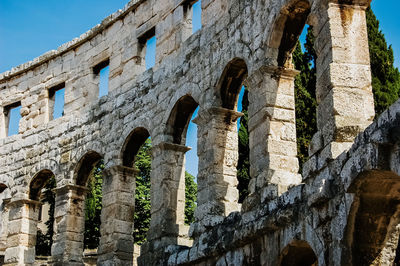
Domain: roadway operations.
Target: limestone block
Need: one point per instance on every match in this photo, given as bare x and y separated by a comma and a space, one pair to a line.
20, 255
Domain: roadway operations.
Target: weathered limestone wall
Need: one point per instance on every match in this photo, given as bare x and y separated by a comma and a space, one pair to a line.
317, 213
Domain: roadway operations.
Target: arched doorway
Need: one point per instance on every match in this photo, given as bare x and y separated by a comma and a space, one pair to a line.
298, 253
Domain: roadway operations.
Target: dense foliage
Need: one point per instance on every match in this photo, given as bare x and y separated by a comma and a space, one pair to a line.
190, 198
142, 196
385, 77
305, 100
93, 207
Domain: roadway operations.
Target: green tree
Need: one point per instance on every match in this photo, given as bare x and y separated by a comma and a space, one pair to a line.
385, 77
243, 168
190, 198
44, 241
305, 100
142, 195
93, 207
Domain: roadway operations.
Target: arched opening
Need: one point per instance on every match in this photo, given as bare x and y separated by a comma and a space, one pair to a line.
373, 227
132, 145
85, 167
232, 82
298, 253
38, 183
287, 30
304, 60
180, 125
136, 153
292, 45
41, 189
179, 119
171, 168
89, 174
191, 170
234, 96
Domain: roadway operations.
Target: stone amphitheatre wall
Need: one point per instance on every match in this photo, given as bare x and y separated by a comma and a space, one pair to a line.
320, 215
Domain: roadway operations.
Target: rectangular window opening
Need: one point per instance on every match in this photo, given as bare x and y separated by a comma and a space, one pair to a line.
103, 71
148, 42
196, 16
13, 116
56, 101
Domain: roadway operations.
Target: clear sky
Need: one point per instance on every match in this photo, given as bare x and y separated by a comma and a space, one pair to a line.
30, 28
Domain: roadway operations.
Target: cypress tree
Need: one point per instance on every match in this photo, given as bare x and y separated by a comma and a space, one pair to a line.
385, 77
305, 100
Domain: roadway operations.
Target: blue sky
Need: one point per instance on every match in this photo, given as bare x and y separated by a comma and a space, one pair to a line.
30, 28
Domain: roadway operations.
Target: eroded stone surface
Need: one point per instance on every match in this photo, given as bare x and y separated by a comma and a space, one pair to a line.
348, 186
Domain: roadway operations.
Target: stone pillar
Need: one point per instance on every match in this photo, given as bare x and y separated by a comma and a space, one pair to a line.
3, 126
272, 132
168, 195
116, 243
69, 225
5, 213
344, 92
22, 230
217, 149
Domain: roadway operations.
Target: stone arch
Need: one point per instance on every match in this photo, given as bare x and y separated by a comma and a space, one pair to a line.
189, 90
92, 146
6, 181
85, 166
373, 225
231, 82
38, 182
287, 29
48, 165
179, 119
132, 145
298, 253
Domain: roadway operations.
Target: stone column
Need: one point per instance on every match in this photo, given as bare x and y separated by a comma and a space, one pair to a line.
168, 194
69, 225
3, 126
22, 230
116, 243
217, 149
5, 213
344, 92
272, 132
